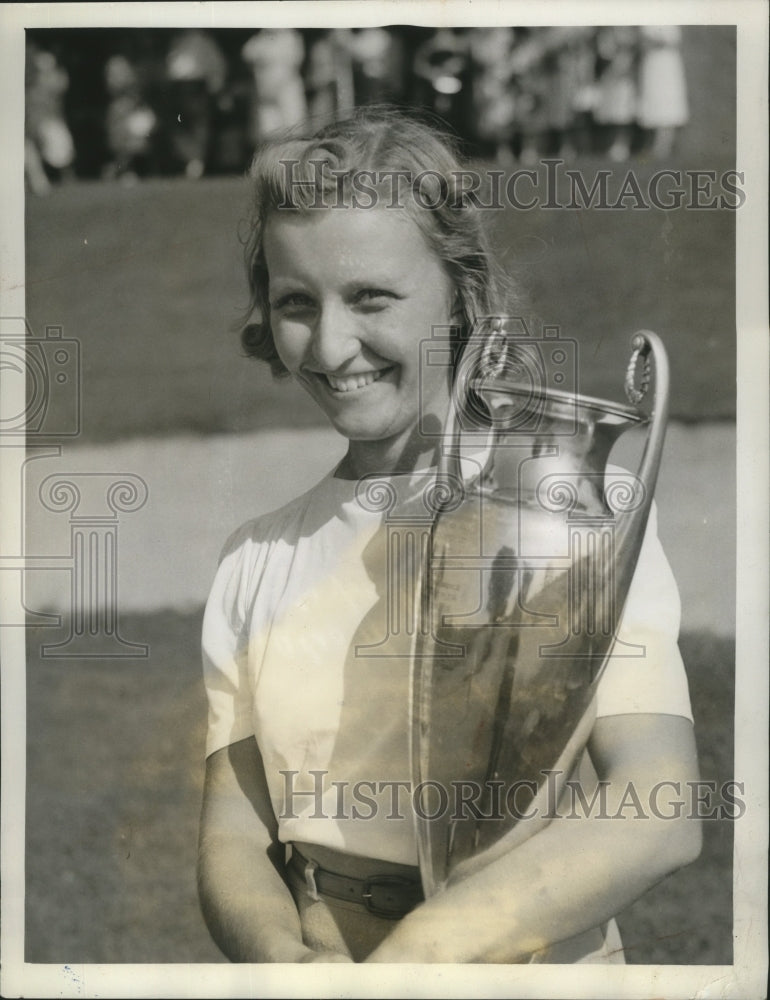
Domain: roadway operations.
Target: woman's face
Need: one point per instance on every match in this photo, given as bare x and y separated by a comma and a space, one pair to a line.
352, 293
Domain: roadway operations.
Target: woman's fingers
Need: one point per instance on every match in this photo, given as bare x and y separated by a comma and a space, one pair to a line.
325, 956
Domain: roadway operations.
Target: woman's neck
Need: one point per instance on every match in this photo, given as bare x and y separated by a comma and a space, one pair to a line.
365, 458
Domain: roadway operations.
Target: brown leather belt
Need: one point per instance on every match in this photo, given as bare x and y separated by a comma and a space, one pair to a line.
390, 896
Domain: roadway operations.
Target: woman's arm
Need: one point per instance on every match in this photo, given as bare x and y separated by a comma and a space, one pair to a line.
246, 904
575, 873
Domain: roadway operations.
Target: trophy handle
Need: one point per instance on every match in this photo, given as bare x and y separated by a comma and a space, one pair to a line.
476, 358
647, 347
647, 344
648, 353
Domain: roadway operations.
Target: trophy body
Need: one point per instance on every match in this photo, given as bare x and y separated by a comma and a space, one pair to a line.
530, 564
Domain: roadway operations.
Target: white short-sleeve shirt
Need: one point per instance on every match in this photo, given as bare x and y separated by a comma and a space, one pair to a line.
295, 597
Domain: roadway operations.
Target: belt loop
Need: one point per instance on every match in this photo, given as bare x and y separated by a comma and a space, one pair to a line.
312, 888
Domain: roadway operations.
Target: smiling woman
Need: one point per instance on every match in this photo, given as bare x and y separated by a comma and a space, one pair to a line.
367, 279
353, 293
306, 698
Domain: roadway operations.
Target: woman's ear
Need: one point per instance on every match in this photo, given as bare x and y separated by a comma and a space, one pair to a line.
457, 305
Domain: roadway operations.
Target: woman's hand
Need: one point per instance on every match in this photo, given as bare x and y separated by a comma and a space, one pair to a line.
577, 872
324, 956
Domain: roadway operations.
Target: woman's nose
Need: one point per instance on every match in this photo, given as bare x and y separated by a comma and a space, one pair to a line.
335, 339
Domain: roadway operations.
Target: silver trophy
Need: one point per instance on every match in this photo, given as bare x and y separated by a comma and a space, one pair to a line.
532, 551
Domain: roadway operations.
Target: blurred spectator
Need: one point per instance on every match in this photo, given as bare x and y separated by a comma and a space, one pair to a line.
441, 69
156, 101
275, 56
321, 76
196, 71
616, 89
378, 66
531, 91
230, 149
492, 94
343, 55
570, 87
663, 104
338, 60
130, 121
49, 151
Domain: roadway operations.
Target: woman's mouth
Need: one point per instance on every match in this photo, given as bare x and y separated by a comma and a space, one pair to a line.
347, 383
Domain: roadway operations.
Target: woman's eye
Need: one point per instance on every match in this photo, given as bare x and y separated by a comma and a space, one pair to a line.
292, 301
374, 297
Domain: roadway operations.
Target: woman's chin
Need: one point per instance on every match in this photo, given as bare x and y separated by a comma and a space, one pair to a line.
364, 421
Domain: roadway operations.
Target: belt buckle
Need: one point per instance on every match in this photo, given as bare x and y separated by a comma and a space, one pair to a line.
310, 884
382, 903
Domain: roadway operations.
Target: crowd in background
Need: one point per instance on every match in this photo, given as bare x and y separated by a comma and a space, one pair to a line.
131, 104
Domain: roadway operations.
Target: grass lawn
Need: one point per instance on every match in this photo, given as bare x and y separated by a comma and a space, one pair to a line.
114, 774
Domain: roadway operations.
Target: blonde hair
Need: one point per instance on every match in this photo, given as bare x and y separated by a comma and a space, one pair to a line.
304, 173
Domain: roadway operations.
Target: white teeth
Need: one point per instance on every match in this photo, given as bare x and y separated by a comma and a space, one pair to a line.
351, 382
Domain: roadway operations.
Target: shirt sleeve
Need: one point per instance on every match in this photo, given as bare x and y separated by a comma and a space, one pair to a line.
225, 657
645, 672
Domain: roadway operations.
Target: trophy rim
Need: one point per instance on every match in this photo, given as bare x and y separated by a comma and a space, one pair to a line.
577, 400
